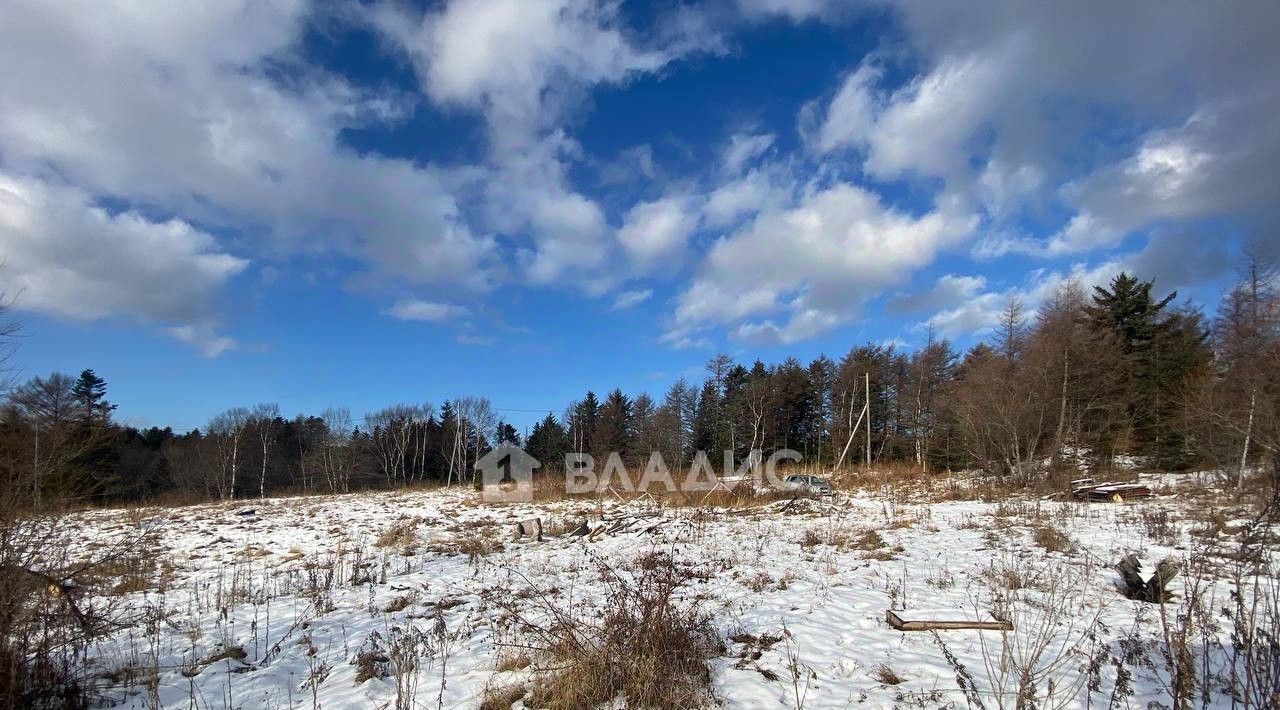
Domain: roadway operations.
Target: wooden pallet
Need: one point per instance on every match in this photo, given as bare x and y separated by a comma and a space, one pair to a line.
915, 623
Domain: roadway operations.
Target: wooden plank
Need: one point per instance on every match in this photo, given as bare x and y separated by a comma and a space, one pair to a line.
901, 624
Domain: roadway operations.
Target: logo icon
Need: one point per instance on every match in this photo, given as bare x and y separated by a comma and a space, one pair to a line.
506, 475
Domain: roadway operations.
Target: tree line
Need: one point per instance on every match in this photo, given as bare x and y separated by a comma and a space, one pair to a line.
1120, 370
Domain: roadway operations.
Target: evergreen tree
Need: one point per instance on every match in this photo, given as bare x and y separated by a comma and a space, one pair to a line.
90, 393
706, 421
506, 434
548, 442
584, 418
614, 431
1157, 353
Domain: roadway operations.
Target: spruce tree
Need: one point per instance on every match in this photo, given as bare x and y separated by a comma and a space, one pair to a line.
90, 393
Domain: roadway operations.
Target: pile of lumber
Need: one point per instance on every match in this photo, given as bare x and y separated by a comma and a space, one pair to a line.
1086, 489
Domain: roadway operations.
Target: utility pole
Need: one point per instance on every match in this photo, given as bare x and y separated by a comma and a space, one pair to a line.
867, 380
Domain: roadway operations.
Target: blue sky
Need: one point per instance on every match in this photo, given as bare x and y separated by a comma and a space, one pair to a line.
221, 203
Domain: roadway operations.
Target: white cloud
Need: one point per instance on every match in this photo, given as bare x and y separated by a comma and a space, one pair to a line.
948, 289
629, 299
762, 189
654, 233
171, 110
524, 64
850, 115
816, 262
475, 340
66, 256
744, 149
1015, 98
794, 10
924, 127
428, 311
203, 338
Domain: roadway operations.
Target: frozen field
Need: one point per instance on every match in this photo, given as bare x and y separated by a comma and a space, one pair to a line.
417, 599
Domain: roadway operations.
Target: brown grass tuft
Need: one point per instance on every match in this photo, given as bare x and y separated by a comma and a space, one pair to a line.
643, 644
501, 697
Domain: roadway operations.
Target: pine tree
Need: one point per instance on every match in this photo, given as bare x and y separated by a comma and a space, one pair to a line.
90, 393
1158, 352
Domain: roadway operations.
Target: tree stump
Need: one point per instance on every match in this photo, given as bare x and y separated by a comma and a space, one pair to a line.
1148, 585
532, 527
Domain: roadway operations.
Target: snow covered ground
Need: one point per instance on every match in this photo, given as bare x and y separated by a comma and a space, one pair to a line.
319, 601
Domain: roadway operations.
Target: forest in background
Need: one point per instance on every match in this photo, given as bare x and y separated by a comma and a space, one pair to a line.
1119, 370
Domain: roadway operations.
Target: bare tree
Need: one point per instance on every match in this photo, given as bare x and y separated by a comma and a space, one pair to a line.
475, 416
392, 430
47, 408
227, 430
264, 418
337, 453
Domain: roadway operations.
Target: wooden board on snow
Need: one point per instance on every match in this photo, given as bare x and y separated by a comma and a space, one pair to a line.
922, 620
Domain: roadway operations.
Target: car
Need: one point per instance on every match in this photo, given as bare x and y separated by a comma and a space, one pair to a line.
807, 484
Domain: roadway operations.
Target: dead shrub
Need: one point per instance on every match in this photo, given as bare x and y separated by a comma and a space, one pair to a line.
642, 643
811, 539
1159, 526
1052, 539
402, 533
869, 540
884, 674
371, 659
478, 546
400, 603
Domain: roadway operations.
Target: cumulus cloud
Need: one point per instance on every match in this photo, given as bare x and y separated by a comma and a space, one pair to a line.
948, 289
67, 256
173, 110
654, 234
1170, 260
428, 311
523, 64
815, 262
1015, 88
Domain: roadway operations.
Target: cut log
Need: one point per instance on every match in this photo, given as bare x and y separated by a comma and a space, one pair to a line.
1145, 583
940, 620
531, 527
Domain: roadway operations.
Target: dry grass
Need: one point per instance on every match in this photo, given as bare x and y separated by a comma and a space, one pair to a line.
400, 603
512, 660
402, 533
882, 673
642, 644
1052, 539
502, 697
